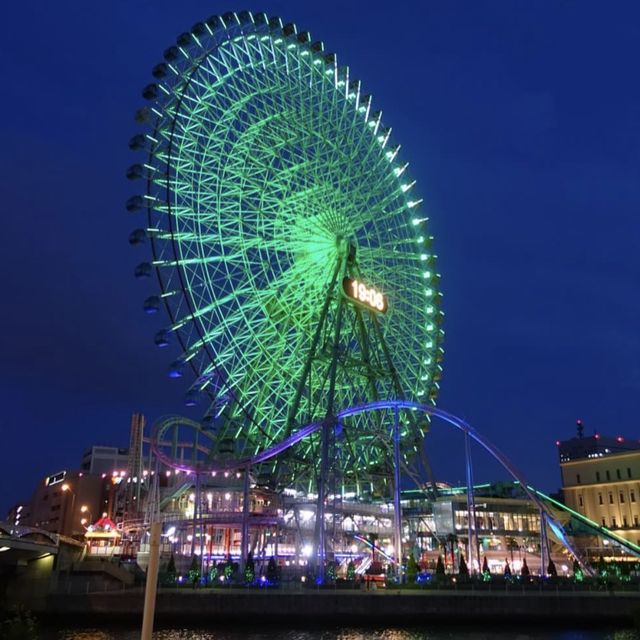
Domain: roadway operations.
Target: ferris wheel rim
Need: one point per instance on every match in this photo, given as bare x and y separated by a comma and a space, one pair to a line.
164, 281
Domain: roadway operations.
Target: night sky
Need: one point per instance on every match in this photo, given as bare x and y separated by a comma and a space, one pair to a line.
521, 121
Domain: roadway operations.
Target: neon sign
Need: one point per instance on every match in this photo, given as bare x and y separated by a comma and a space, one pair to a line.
362, 293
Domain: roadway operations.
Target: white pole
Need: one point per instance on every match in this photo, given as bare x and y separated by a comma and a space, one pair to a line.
151, 586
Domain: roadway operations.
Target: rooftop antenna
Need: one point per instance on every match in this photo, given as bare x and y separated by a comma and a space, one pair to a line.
579, 428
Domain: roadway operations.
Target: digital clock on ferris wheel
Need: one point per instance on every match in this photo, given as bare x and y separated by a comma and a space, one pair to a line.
364, 294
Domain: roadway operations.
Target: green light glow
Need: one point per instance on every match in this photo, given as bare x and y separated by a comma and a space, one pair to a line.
260, 162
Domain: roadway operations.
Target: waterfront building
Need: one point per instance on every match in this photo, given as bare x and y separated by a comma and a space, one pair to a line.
601, 479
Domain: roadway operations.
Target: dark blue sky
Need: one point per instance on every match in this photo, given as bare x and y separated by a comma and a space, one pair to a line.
521, 121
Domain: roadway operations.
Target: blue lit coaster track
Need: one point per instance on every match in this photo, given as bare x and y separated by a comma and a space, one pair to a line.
545, 504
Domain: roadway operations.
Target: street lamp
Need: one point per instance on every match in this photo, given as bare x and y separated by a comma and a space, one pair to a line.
66, 488
87, 520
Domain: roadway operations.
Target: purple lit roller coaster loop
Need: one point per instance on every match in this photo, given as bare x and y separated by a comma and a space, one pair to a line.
227, 465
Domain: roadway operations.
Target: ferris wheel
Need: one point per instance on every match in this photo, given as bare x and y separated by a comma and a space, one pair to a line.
291, 253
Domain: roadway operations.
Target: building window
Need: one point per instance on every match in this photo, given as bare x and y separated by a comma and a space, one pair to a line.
604, 524
577, 478
624, 521
621, 498
597, 476
632, 495
610, 498
628, 472
618, 474
635, 521
600, 500
608, 474
580, 501
613, 523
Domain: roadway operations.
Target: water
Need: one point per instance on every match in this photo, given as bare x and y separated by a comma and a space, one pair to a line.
345, 633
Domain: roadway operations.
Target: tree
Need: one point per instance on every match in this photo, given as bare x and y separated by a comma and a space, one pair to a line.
602, 567
412, 569
249, 569
578, 575
486, 574
463, 570
440, 567
551, 569
331, 571
171, 565
351, 571
507, 569
194, 571
169, 576
272, 571
229, 570
524, 572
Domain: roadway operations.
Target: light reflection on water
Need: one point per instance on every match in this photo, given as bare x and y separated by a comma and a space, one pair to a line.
344, 633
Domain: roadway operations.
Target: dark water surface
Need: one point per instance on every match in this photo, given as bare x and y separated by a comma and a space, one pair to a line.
345, 633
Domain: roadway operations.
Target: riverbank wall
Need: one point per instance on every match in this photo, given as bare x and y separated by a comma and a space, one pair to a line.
338, 608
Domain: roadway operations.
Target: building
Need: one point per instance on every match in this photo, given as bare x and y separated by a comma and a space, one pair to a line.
507, 526
18, 514
67, 502
601, 479
102, 459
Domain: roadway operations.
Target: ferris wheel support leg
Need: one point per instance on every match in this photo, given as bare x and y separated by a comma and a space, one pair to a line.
326, 433
397, 507
245, 520
295, 405
195, 515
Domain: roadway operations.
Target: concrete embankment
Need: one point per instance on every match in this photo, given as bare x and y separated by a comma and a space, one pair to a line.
331, 607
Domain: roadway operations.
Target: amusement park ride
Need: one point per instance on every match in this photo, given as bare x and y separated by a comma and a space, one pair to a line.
298, 276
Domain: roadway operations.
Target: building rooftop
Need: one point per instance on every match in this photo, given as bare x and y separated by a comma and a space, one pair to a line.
595, 446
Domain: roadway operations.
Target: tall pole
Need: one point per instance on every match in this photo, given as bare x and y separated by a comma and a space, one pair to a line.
473, 547
396, 492
543, 544
151, 585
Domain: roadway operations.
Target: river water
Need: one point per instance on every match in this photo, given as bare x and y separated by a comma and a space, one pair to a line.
483, 632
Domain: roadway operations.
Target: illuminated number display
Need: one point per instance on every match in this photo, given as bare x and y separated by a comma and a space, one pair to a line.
358, 291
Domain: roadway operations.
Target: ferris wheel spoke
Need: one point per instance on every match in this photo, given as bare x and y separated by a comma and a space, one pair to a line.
265, 157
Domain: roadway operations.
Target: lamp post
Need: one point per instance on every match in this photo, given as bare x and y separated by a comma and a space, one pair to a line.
66, 488
87, 520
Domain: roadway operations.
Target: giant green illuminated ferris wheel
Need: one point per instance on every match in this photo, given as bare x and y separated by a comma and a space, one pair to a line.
279, 215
